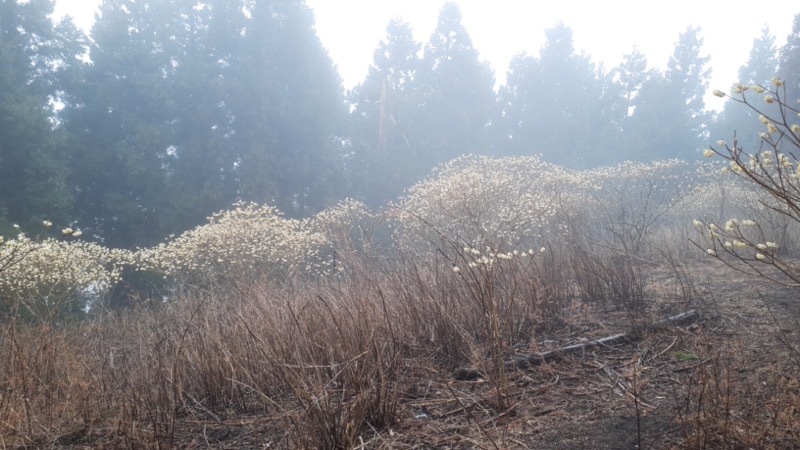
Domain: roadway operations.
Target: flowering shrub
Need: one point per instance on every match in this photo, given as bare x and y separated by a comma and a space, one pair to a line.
248, 242
633, 199
43, 276
773, 173
520, 203
353, 235
348, 225
503, 204
521, 234
716, 195
480, 213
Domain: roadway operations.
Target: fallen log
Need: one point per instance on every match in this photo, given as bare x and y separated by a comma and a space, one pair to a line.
527, 361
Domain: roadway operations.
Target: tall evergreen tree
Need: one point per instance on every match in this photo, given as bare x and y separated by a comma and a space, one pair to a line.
455, 93
688, 73
761, 66
383, 160
34, 55
669, 119
790, 61
558, 104
188, 105
201, 175
631, 75
288, 109
122, 118
762, 63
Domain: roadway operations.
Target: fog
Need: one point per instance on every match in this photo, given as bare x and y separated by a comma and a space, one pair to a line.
180, 110
211, 235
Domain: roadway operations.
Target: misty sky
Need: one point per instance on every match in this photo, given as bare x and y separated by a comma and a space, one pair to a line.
351, 29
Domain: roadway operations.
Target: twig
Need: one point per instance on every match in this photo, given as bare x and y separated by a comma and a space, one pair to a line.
665, 350
693, 366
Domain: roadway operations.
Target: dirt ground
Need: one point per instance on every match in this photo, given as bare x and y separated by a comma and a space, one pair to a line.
581, 401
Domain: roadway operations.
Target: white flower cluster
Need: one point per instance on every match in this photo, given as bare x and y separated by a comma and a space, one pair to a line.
633, 198
487, 259
250, 241
505, 203
739, 238
53, 269
768, 164
716, 196
346, 226
740, 88
766, 182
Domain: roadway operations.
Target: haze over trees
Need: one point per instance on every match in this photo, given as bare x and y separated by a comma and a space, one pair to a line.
179, 263
176, 109
761, 66
37, 58
188, 106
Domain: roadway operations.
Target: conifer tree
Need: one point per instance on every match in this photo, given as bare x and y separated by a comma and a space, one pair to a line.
35, 55
122, 119
455, 93
761, 66
383, 159
669, 119
557, 104
790, 61
288, 109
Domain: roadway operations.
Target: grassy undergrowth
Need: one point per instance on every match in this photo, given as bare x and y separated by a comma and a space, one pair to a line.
334, 332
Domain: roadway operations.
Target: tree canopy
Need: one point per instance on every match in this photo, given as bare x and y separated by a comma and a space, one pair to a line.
187, 106
174, 109
36, 57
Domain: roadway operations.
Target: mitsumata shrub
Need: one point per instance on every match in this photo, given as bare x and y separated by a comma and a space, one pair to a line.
472, 211
504, 204
764, 236
250, 242
40, 277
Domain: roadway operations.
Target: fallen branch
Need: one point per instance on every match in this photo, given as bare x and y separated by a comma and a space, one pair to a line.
526, 361
680, 319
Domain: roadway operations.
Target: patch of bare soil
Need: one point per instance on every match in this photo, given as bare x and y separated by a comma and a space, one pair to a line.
639, 394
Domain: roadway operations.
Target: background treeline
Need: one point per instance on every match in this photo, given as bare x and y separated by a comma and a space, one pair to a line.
174, 109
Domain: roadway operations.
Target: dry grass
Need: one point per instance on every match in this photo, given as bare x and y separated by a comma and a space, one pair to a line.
324, 360
728, 403
744, 391
342, 363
